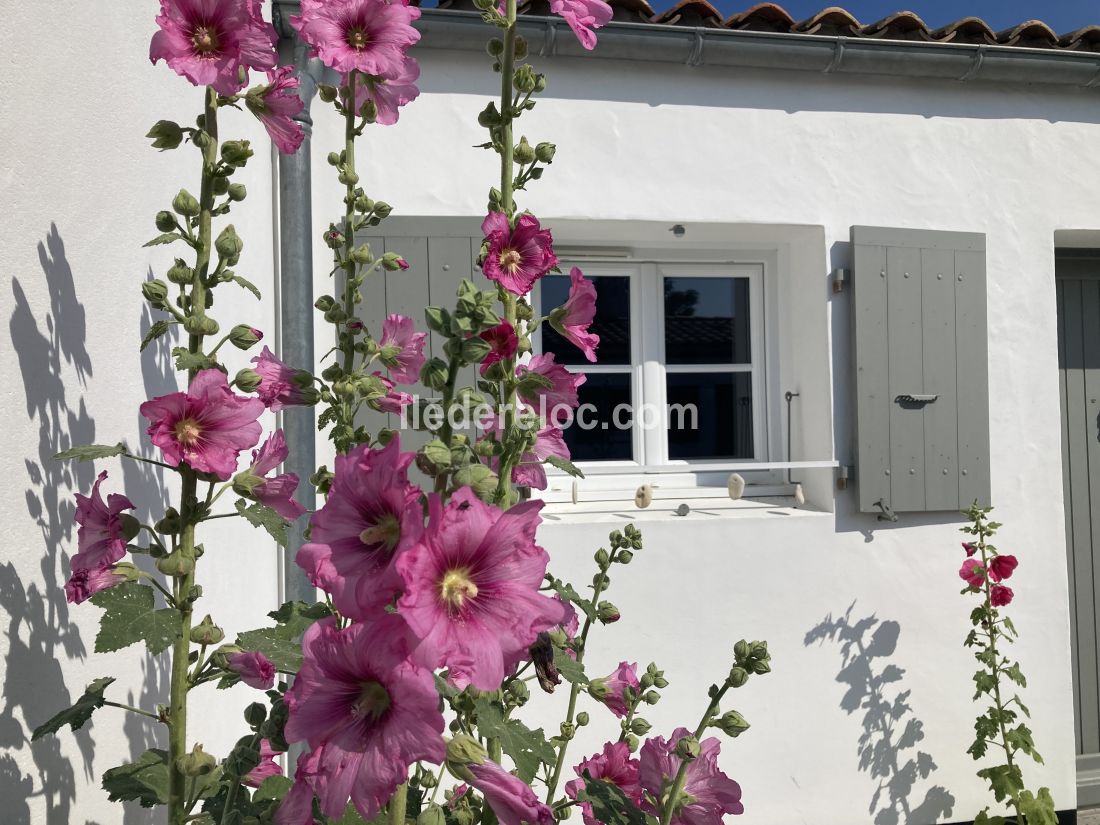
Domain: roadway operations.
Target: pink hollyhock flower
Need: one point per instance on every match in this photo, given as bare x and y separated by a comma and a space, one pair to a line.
460, 791
709, 793
372, 516
573, 318
613, 765
1000, 595
970, 548
207, 426
280, 385
550, 441
210, 41
276, 492
101, 538
503, 343
368, 708
389, 95
517, 257
309, 781
1001, 567
276, 105
359, 35
972, 573
555, 402
611, 690
472, 588
511, 799
267, 767
394, 401
583, 17
254, 668
85, 582
402, 348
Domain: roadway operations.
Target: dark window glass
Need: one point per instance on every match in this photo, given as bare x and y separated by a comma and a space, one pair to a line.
603, 440
707, 321
722, 425
612, 321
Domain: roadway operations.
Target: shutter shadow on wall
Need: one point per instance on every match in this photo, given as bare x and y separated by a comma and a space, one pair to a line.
922, 406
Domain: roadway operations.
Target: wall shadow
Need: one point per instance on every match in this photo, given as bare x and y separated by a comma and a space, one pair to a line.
888, 746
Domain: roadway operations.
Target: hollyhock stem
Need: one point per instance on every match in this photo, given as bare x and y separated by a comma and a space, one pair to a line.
396, 815
206, 216
681, 775
350, 266
507, 69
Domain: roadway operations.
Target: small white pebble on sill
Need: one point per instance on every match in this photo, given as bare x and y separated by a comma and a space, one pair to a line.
736, 486
643, 497
799, 496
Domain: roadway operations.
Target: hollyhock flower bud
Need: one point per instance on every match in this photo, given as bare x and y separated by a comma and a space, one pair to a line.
972, 573
328, 93
402, 348
243, 336
583, 17
970, 548
510, 798
611, 690
473, 556
708, 794
463, 751
165, 134
268, 767
544, 152
276, 105
214, 44
196, 763
334, 238
180, 272
166, 221
220, 185
434, 374
280, 386
524, 79
247, 380
207, 426
392, 262
207, 633
359, 35
613, 765
236, 153
1000, 595
573, 318
176, 565
523, 152
186, 204
228, 244
738, 677
382, 209
254, 668
607, 613
237, 192
87, 581
731, 723
516, 258
1001, 567
155, 292
432, 815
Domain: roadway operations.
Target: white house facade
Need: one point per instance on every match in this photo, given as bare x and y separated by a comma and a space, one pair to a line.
896, 228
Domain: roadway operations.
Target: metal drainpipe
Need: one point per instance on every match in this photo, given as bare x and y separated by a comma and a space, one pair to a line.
296, 296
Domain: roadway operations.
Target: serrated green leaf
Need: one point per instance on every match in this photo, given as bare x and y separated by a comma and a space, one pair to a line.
569, 595
131, 617
285, 654
155, 331
1016, 675
570, 669
1038, 810
90, 452
1005, 780
247, 284
145, 780
610, 805
294, 618
527, 748
167, 237
80, 711
274, 787
564, 465
187, 360
260, 516
984, 683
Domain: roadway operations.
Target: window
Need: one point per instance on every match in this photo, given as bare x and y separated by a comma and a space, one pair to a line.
680, 377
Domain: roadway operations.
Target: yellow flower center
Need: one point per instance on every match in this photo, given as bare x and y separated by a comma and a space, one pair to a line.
456, 588
372, 702
358, 38
188, 432
386, 531
205, 39
510, 259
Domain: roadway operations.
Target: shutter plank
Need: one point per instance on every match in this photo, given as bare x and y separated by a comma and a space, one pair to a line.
872, 371
903, 276
941, 436
973, 381
1090, 339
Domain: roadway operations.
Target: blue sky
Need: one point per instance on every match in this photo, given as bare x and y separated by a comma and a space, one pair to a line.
1061, 15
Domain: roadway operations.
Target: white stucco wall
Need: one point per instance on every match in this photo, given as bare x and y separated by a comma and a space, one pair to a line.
80, 186
675, 144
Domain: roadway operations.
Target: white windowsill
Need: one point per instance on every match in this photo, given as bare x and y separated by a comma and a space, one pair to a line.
701, 509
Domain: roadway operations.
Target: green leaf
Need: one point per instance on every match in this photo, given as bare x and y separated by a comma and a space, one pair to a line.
167, 237
1021, 739
259, 515
527, 748
285, 654
145, 780
274, 787
247, 284
187, 360
1015, 675
610, 805
569, 595
1038, 810
155, 331
984, 683
80, 712
1005, 780
983, 818
296, 617
570, 669
564, 465
131, 617
352, 817
90, 452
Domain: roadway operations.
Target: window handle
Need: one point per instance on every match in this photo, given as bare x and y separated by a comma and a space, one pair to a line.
915, 398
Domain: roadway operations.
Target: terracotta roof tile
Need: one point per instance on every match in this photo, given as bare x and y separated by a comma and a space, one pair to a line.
967, 30
763, 17
691, 13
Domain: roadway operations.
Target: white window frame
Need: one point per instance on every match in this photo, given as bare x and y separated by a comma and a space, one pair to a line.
649, 370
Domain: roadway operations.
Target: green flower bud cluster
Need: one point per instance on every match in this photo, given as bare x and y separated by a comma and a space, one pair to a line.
731, 723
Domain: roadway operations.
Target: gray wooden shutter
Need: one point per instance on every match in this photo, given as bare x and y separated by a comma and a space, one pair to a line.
441, 252
920, 331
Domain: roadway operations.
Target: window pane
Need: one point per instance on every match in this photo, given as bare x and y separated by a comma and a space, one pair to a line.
722, 425
707, 321
600, 439
612, 322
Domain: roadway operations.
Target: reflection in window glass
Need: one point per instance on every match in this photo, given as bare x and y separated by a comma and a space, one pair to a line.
723, 425
604, 441
612, 321
707, 321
